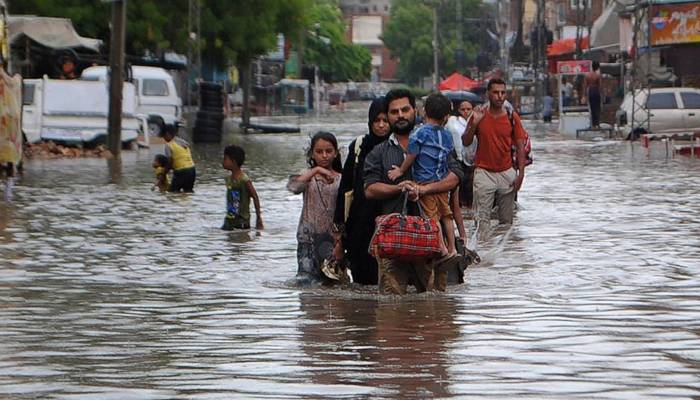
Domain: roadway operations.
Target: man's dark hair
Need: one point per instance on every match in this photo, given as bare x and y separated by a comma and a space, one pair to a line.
495, 81
162, 159
596, 65
235, 153
437, 106
399, 93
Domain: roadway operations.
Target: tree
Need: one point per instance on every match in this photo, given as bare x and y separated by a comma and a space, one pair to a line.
328, 47
408, 35
239, 31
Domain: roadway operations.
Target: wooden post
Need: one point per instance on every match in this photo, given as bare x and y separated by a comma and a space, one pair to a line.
116, 84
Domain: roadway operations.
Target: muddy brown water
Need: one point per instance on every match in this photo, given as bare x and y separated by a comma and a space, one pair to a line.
111, 291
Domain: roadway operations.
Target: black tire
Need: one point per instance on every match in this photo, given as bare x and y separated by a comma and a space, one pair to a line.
205, 93
210, 86
205, 131
210, 115
208, 123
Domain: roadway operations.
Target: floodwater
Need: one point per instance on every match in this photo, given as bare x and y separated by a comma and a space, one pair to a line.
112, 291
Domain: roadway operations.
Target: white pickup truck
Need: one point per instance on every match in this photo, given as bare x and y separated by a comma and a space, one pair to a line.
75, 111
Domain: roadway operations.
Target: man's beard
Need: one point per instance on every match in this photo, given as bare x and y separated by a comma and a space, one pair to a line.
403, 126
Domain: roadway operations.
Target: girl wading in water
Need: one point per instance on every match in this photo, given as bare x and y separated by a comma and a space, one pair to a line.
357, 230
319, 185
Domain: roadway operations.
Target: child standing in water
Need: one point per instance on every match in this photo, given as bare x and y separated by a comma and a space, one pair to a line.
239, 191
180, 160
319, 185
160, 162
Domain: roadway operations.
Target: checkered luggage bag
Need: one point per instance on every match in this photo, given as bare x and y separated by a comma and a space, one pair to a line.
405, 237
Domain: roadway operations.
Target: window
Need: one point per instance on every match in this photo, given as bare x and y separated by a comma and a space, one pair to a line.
581, 4
27, 94
691, 100
662, 101
155, 87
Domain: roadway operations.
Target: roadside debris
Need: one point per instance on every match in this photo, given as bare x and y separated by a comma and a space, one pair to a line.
50, 149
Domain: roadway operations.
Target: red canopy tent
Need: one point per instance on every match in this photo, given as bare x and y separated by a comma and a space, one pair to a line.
458, 81
565, 46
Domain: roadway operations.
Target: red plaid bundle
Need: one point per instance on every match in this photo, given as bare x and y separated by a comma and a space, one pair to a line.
403, 236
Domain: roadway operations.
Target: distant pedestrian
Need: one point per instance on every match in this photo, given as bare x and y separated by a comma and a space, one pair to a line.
592, 81
160, 165
359, 226
179, 160
495, 178
319, 185
427, 154
239, 192
567, 92
547, 108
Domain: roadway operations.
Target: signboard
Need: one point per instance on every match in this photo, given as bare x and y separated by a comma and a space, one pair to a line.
574, 67
10, 122
674, 23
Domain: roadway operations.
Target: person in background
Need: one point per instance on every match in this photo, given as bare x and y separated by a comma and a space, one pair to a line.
592, 82
319, 185
463, 194
160, 163
547, 107
567, 92
239, 191
179, 160
356, 231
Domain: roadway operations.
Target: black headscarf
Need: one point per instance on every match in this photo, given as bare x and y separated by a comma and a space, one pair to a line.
377, 107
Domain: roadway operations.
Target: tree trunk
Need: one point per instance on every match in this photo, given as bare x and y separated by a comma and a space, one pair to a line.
244, 68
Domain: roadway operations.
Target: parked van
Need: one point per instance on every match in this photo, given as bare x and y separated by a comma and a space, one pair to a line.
74, 111
157, 98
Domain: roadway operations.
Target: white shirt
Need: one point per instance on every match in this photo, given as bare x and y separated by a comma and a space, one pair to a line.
456, 125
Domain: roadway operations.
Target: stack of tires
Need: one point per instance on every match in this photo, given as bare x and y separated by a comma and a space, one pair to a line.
210, 117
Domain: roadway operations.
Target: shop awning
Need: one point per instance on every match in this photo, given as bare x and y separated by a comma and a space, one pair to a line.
565, 46
457, 81
55, 33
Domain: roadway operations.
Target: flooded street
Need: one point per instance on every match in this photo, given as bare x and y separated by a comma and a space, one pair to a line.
117, 292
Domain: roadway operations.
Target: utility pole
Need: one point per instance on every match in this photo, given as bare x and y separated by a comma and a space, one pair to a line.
194, 50
502, 15
436, 66
116, 85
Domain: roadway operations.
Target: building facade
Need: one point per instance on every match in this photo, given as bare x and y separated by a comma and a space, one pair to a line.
366, 20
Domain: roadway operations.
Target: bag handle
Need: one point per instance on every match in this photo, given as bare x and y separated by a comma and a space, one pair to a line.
404, 209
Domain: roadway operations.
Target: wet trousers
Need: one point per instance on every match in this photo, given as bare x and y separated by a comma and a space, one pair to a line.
490, 187
594, 105
183, 180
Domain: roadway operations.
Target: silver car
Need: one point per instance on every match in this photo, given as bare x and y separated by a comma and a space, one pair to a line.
671, 110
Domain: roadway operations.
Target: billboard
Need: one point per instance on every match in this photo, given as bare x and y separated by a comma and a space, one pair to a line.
674, 24
574, 67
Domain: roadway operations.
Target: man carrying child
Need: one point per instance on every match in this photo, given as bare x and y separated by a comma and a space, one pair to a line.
395, 274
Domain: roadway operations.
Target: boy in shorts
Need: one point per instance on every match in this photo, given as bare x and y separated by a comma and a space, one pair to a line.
428, 149
239, 192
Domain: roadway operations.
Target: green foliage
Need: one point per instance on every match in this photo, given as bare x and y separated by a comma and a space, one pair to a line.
338, 60
232, 30
409, 35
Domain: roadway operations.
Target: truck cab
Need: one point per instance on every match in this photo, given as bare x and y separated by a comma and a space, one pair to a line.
156, 94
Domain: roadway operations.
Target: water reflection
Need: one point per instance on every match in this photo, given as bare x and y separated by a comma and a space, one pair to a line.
396, 345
